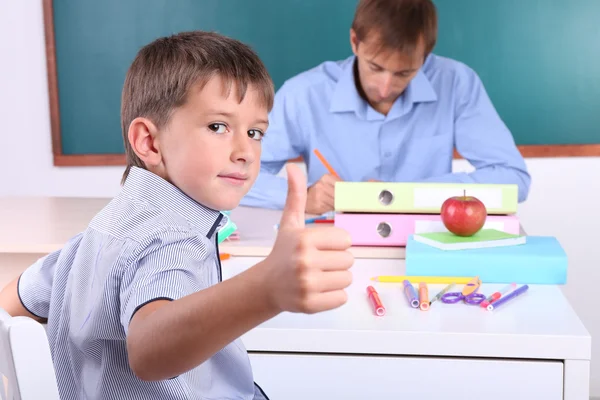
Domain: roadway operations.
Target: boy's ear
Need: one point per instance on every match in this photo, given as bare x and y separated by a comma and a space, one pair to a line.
142, 136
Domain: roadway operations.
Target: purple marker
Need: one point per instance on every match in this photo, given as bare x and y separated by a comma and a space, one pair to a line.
506, 298
411, 294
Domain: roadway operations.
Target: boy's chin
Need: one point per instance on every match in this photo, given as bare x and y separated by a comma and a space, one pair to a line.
225, 198
226, 203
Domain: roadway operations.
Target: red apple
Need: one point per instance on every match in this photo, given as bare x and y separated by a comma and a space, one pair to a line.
463, 215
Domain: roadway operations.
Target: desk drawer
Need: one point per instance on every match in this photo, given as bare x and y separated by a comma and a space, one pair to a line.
316, 377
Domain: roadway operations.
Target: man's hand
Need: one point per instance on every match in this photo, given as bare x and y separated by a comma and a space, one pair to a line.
321, 194
307, 270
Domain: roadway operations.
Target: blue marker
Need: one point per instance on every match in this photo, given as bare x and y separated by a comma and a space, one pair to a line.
411, 294
308, 220
506, 298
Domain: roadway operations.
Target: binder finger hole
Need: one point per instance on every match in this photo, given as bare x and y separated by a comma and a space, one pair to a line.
384, 229
386, 197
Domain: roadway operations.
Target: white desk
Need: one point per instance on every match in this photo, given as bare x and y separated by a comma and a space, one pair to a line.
534, 348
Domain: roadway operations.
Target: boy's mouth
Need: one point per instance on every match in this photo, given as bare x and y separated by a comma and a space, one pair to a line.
236, 179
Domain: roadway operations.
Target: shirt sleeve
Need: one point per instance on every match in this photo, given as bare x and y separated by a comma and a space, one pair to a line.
284, 141
35, 285
166, 271
482, 138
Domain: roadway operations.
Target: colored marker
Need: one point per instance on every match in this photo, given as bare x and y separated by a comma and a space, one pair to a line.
224, 256
326, 164
441, 293
506, 298
315, 219
495, 296
472, 286
411, 294
309, 221
377, 304
459, 280
423, 297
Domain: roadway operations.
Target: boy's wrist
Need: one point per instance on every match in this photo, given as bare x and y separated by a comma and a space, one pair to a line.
261, 280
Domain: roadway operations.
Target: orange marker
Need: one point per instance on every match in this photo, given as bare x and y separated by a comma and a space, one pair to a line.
326, 164
224, 256
423, 296
377, 304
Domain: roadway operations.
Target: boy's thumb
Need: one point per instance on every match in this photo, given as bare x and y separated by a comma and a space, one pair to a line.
295, 204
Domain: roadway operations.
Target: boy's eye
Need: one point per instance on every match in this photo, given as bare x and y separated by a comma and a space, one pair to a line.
255, 134
217, 128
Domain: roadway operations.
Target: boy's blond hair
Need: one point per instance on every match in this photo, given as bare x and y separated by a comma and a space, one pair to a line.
161, 75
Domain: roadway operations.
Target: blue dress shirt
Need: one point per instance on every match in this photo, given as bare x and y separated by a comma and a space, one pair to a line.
444, 107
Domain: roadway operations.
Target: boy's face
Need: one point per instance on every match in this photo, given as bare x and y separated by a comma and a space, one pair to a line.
211, 146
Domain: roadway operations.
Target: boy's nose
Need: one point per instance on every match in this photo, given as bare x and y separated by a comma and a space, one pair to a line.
242, 151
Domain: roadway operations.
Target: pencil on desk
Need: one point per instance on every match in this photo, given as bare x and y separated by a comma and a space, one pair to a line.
428, 279
441, 293
326, 164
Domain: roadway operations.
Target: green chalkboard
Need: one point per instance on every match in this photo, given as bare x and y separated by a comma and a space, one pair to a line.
539, 59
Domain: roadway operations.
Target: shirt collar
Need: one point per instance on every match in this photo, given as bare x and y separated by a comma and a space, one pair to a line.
346, 96
420, 90
148, 187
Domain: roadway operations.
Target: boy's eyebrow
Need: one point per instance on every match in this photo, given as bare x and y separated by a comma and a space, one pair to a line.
230, 115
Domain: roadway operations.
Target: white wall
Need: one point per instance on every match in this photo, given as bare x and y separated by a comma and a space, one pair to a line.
566, 189
26, 151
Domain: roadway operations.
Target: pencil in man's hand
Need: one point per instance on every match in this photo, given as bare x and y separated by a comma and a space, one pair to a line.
326, 164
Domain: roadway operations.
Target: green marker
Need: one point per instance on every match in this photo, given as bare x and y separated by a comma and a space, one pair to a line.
227, 229
440, 294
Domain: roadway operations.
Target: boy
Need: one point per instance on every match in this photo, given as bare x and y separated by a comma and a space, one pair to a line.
134, 304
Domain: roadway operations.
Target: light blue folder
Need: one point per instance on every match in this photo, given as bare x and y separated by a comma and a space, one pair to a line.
541, 260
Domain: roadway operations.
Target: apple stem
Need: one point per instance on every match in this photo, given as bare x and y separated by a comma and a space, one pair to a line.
464, 194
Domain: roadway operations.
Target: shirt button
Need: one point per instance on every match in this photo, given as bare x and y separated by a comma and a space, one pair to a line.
387, 154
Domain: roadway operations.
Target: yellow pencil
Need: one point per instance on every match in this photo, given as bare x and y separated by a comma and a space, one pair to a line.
427, 279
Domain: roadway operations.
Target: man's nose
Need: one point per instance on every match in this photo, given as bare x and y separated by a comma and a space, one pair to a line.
385, 87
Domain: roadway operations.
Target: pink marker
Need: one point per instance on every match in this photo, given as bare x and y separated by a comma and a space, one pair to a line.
495, 296
377, 304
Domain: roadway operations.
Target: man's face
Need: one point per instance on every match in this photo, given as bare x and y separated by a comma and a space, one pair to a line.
384, 74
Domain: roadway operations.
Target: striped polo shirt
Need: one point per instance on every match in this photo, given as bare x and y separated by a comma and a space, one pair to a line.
150, 242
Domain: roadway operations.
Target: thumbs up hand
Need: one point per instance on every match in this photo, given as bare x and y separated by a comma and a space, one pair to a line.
308, 269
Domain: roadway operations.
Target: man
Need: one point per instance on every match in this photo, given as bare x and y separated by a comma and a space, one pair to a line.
392, 112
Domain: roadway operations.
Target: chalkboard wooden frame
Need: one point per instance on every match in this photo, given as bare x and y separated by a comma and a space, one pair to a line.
60, 159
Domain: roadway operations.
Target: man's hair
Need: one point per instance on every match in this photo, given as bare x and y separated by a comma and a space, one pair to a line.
161, 75
397, 24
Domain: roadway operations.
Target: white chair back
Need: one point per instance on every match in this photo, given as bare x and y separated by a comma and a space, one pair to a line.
26, 365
